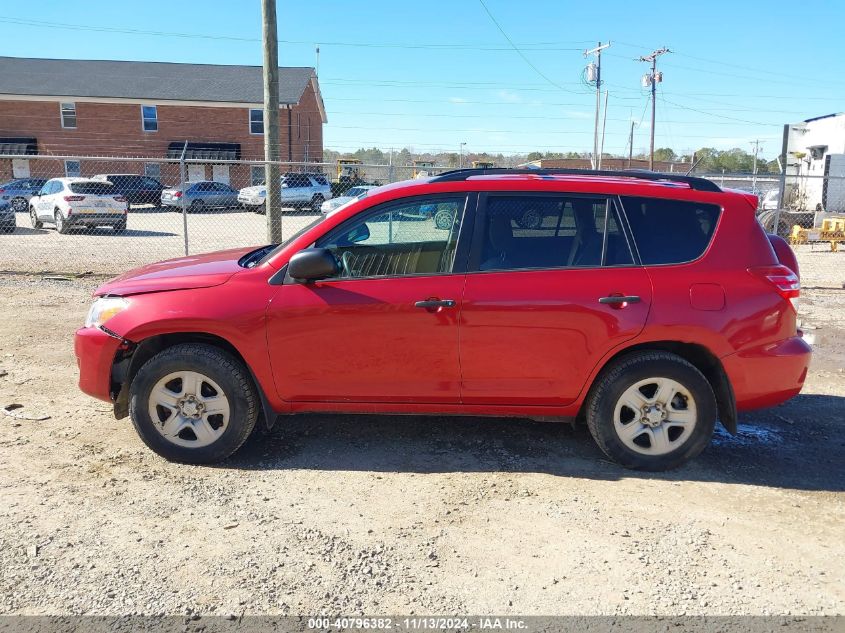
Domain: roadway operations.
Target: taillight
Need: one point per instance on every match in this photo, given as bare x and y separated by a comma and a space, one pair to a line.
74, 198
120, 198
178, 194
785, 282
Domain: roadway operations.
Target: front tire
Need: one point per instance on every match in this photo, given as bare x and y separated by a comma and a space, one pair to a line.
193, 403
317, 202
651, 411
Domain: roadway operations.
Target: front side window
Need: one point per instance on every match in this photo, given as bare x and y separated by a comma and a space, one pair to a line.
558, 231
670, 231
256, 121
72, 168
149, 118
408, 238
68, 112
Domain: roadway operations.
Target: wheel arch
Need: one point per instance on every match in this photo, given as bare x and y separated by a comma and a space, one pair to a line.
127, 363
697, 355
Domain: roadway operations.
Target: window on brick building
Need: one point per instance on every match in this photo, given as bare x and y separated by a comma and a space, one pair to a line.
256, 175
68, 111
153, 170
256, 121
72, 168
149, 118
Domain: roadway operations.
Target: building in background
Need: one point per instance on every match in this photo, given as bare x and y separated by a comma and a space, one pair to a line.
815, 164
150, 109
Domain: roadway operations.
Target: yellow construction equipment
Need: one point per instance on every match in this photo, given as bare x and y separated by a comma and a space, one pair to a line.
832, 230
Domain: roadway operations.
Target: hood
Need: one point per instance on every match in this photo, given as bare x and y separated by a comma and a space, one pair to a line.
184, 273
253, 189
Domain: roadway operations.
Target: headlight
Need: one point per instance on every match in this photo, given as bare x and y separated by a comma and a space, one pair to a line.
262, 193
103, 309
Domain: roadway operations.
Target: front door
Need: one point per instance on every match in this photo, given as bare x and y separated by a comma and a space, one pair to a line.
386, 328
542, 302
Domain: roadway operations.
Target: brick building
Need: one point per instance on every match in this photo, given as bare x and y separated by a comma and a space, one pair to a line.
54, 107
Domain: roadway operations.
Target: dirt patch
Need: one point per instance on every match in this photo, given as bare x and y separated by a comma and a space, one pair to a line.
358, 514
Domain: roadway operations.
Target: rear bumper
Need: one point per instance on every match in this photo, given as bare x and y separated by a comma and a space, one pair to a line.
769, 374
95, 219
95, 351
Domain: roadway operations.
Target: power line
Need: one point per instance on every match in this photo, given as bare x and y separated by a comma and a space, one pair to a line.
517, 49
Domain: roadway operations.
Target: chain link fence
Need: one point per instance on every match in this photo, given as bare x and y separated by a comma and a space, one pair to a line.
180, 207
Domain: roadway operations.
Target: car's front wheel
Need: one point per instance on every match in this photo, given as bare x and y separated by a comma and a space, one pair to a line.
651, 410
33, 218
193, 403
317, 202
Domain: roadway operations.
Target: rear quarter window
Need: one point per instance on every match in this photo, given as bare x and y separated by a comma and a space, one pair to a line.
670, 231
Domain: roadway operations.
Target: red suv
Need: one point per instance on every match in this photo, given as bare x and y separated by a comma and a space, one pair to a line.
647, 305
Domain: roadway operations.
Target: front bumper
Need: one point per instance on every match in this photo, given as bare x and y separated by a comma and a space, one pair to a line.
253, 201
769, 374
95, 351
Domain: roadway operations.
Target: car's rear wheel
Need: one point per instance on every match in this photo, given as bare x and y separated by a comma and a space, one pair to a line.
652, 411
197, 206
61, 224
120, 227
19, 204
193, 403
33, 218
316, 202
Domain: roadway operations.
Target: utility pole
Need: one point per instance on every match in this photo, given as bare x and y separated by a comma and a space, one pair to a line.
631, 145
652, 79
594, 75
273, 200
461, 157
756, 144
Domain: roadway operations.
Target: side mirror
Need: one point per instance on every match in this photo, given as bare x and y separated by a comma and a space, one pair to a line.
312, 264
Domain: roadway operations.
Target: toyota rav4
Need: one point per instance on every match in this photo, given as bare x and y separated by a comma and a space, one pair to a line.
646, 305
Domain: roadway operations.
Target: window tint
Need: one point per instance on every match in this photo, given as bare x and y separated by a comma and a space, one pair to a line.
92, 188
670, 231
412, 238
551, 232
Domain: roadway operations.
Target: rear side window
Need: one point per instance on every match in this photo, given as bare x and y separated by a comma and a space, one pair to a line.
670, 231
92, 188
560, 231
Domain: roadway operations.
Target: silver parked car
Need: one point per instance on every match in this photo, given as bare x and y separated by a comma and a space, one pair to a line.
298, 191
17, 193
351, 194
201, 195
7, 218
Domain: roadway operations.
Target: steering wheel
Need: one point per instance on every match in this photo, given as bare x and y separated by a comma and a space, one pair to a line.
346, 265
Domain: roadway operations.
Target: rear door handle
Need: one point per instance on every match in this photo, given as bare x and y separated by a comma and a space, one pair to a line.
428, 304
617, 299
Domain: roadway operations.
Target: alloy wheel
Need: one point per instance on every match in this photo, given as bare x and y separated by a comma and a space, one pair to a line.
189, 409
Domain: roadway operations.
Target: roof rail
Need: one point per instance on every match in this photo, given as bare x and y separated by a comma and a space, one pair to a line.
694, 182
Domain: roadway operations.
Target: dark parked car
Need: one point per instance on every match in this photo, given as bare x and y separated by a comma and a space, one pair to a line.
16, 193
136, 189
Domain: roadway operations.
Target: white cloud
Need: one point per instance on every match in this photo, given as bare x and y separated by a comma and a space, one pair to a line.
508, 96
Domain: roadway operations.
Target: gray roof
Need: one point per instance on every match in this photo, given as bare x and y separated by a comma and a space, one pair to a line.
145, 81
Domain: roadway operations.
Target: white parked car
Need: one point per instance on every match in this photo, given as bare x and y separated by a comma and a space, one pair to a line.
69, 202
350, 195
298, 191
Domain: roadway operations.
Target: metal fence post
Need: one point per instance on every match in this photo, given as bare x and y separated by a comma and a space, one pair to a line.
781, 196
183, 199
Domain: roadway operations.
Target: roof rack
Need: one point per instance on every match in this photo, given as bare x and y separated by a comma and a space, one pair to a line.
694, 182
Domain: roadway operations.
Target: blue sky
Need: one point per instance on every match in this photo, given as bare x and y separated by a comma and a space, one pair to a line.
432, 75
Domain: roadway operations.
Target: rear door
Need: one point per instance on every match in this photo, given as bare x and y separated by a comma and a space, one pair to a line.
552, 287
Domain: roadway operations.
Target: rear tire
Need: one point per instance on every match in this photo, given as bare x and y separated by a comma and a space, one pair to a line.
197, 206
261, 209
316, 202
220, 374
663, 428
33, 218
19, 204
120, 227
61, 224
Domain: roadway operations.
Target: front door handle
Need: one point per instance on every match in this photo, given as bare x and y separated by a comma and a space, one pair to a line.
430, 304
619, 299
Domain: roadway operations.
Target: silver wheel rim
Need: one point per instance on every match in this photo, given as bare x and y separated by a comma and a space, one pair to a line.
33, 218
19, 205
531, 219
60, 221
442, 220
189, 409
655, 416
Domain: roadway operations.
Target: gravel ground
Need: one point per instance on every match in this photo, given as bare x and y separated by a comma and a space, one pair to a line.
156, 234
359, 514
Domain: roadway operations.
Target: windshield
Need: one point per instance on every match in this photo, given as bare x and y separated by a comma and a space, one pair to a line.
276, 248
356, 192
